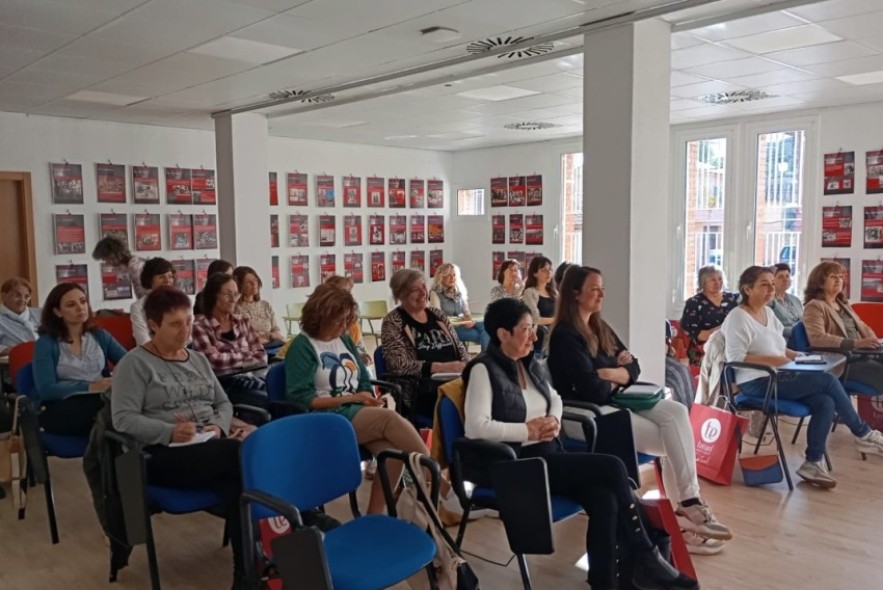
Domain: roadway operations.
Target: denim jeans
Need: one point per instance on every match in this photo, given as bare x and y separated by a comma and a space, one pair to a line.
824, 395
476, 333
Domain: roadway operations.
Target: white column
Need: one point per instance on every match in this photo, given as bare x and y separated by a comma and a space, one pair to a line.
625, 181
241, 145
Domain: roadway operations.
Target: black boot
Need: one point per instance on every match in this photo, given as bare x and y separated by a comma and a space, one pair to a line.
652, 572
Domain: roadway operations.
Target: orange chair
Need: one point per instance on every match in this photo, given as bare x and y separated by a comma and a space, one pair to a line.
871, 314
19, 356
120, 327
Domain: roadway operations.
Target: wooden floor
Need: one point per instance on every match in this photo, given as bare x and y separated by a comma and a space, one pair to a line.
808, 538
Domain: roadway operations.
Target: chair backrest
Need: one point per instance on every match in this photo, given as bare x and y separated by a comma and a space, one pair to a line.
679, 339
294, 310
20, 355
379, 361
450, 425
799, 339
320, 461
376, 309
871, 314
24, 381
120, 327
276, 383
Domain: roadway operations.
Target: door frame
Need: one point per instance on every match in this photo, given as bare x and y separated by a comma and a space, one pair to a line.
26, 204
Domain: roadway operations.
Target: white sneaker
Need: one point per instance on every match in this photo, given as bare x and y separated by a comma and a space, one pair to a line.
698, 545
815, 473
871, 443
699, 519
370, 468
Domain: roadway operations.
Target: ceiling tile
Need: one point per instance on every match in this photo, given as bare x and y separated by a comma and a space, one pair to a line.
804, 86
271, 5
32, 38
775, 77
683, 103
295, 32
550, 83
684, 40
856, 27
834, 9
819, 54
705, 53
784, 39
68, 18
734, 68
216, 17
679, 78
703, 88
847, 67
747, 26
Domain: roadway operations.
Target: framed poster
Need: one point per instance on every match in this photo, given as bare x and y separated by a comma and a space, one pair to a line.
274, 189
205, 231
498, 229
417, 193
497, 259
376, 194
874, 181
398, 230
397, 198
418, 260
114, 225
70, 233
115, 283
73, 273
436, 229
274, 271
874, 227
297, 189
327, 230
180, 231
517, 196
300, 271
418, 229
298, 231
846, 263
518, 256
202, 265
202, 186
436, 259
67, 184
352, 191
354, 267
533, 229
837, 227
516, 228
274, 231
534, 186
398, 262
840, 173
185, 276
145, 185
110, 180
327, 266
499, 191
376, 230
352, 230
147, 232
378, 266
872, 280
178, 186
435, 194
324, 191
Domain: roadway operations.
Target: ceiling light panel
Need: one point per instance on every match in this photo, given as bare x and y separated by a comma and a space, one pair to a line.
108, 98
497, 93
244, 50
863, 79
747, 26
784, 39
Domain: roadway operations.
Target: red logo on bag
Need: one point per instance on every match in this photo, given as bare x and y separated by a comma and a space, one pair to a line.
711, 430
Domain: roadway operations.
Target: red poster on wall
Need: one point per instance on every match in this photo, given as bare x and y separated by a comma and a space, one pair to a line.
418, 229
297, 189
298, 231
533, 231
115, 225
517, 188
115, 283
418, 260
274, 231
417, 193
376, 195
70, 233
67, 184
327, 230
300, 271
378, 266
274, 271
353, 267
874, 162
398, 261
397, 198
516, 228
435, 194
499, 191
178, 186
147, 232
324, 191
145, 185
77, 274
534, 186
498, 229
352, 230
202, 265
398, 229
180, 231
327, 266
205, 231
352, 191
436, 229
497, 259
436, 259
840, 173
185, 276
846, 263
203, 186
110, 180
872, 280
528, 258
518, 256
376, 232
837, 227
874, 227
274, 189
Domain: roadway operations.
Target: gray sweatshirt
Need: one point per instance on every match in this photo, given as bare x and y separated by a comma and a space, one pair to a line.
149, 393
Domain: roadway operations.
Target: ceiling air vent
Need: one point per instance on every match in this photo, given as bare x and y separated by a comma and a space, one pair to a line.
282, 94
735, 96
529, 126
478, 47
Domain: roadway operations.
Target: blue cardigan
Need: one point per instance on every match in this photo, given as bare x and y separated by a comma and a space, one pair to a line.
46, 352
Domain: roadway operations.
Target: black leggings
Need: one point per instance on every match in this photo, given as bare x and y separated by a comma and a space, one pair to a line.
600, 485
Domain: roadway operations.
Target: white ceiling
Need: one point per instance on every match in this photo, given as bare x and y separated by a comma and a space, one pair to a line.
150, 61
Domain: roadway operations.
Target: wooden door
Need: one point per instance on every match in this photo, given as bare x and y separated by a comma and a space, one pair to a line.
17, 255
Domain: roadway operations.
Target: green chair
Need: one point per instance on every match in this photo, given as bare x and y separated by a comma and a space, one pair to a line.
373, 311
293, 313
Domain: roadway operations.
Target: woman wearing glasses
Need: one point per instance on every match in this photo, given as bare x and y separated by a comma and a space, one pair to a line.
18, 321
509, 279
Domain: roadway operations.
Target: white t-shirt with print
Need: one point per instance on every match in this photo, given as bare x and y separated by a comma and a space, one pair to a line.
338, 371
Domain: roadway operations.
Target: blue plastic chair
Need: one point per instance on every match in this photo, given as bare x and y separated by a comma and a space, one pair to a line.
322, 463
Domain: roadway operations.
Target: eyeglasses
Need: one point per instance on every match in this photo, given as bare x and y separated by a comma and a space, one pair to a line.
525, 328
229, 295
20, 296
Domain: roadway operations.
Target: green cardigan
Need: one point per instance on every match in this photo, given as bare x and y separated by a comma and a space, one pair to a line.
301, 364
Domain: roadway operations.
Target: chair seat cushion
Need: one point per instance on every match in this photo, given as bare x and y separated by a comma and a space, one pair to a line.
64, 446
562, 507
375, 551
182, 501
859, 388
783, 406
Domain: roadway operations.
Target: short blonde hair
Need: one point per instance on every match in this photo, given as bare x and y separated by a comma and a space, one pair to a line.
401, 281
443, 270
10, 284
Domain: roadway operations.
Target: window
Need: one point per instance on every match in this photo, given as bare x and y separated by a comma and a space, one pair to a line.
572, 182
470, 201
706, 162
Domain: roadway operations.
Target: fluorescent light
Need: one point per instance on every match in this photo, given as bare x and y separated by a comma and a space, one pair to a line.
784, 39
110, 98
253, 52
863, 78
497, 93
400, 137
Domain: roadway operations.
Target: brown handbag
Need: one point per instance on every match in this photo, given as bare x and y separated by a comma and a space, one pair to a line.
13, 459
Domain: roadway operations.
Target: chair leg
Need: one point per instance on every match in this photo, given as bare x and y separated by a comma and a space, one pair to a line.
225, 539
782, 458
797, 432
828, 461
50, 507
151, 559
525, 574
766, 420
461, 531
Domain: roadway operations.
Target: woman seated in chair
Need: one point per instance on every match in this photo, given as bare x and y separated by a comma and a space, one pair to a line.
705, 311
164, 394
18, 321
831, 323
509, 279
259, 311
509, 400
216, 267
157, 272
324, 372
588, 362
539, 295
786, 306
753, 334
449, 294
71, 357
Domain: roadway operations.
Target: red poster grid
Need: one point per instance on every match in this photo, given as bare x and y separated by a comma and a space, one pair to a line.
327, 266
435, 194
274, 272
77, 274
533, 230
352, 191
874, 181
67, 184
180, 231
327, 230
398, 229
110, 180
498, 229
839, 173
376, 194
185, 278
147, 232
145, 185
497, 259
397, 197
70, 233
418, 260
202, 185
297, 189
115, 283
378, 266
397, 262
436, 259
376, 231
205, 231
298, 231
115, 225
517, 188
274, 231
354, 266
274, 189
837, 226
418, 229
352, 230
874, 227
872, 280
499, 191
417, 193
534, 187
300, 271
435, 228
518, 256
516, 228
179, 190
202, 265
324, 191
846, 263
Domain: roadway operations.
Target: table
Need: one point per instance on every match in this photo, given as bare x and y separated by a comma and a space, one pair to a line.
832, 361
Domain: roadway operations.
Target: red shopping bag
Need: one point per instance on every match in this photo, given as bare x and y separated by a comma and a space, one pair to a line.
870, 409
716, 435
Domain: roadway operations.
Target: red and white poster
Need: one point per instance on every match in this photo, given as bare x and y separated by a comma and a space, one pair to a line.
436, 259
298, 231
518, 256
110, 180
202, 265
180, 231
352, 191
840, 173
534, 187
297, 189
497, 259
398, 229
418, 260
516, 228
874, 227
327, 266
274, 231
145, 185
300, 271
376, 231
324, 191
837, 227
274, 189
499, 191
376, 193
397, 262
533, 230
205, 231
352, 230
274, 271
435, 194
874, 182
147, 232
378, 266
327, 230
498, 229
114, 225
70, 233
435, 227
517, 188
67, 184
354, 266
846, 263
417, 193
202, 184
397, 199
185, 276
529, 256
872, 280
77, 274
115, 283
418, 229
179, 190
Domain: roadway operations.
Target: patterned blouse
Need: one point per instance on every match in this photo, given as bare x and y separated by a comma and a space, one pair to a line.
228, 350
500, 292
701, 314
263, 320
